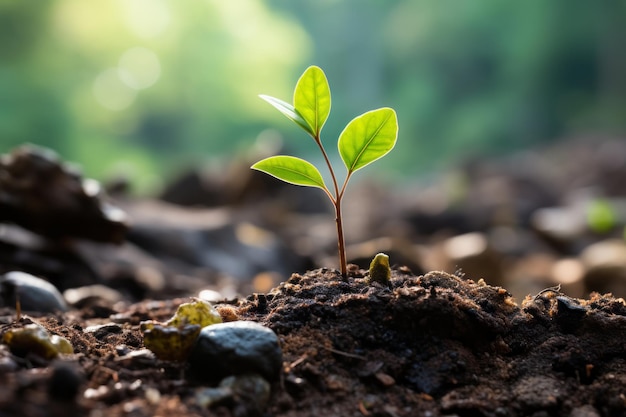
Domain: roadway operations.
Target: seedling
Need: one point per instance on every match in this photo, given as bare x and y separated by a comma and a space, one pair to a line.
364, 140
379, 270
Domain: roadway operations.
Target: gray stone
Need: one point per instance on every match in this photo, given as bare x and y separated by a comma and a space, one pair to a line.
82, 295
538, 392
47, 196
472, 254
35, 294
585, 411
247, 394
236, 348
605, 263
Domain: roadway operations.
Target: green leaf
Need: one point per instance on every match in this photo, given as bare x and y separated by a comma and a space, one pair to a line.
368, 137
311, 98
292, 170
289, 111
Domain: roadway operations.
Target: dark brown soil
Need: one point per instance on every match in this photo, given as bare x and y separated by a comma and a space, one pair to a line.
431, 345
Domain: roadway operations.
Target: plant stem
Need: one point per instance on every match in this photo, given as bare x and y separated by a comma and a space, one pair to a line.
340, 241
343, 264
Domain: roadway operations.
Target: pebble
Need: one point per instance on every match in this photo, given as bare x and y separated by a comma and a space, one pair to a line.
472, 254
171, 343
585, 411
569, 314
605, 262
236, 348
563, 224
569, 273
85, 294
249, 394
141, 357
35, 294
45, 195
7, 365
96, 394
211, 296
174, 339
385, 379
100, 331
35, 339
65, 382
538, 392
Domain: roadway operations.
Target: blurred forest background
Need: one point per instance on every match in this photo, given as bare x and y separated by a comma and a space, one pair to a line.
145, 88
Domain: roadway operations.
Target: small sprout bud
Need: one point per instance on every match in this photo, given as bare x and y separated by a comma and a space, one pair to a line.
379, 270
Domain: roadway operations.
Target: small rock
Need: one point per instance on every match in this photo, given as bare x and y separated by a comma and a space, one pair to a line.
235, 348
295, 385
249, 394
7, 364
561, 224
41, 193
90, 293
170, 343
585, 411
209, 397
97, 393
212, 296
569, 313
538, 392
174, 339
209, 238
153, 396
64, 383
141, 357
385, 379
606, 267
569, 273
100, 331
122, 350
610, 252
472, 253
35, 294
335, 383
35, 339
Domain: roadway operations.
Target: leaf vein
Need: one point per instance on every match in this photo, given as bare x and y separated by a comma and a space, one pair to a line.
360, 154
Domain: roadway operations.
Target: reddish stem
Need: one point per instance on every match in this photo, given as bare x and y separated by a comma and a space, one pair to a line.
340, 240
343, 264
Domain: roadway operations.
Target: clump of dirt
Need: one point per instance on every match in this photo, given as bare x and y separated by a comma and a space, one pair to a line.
440, 344
431, 345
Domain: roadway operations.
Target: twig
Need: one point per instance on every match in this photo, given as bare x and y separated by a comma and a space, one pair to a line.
297, 362
346, 354
18, 307
556, 289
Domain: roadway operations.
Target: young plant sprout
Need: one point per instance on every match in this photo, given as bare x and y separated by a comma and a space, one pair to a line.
379, 270
365, 139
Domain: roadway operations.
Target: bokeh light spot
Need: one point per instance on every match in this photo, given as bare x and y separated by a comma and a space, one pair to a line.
139, 68
147, 18
111, 92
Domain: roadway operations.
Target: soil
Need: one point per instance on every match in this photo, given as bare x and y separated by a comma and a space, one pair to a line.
425, 344
429, 345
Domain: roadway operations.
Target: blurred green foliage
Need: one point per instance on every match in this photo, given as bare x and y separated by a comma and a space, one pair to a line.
602, 217
145, 87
